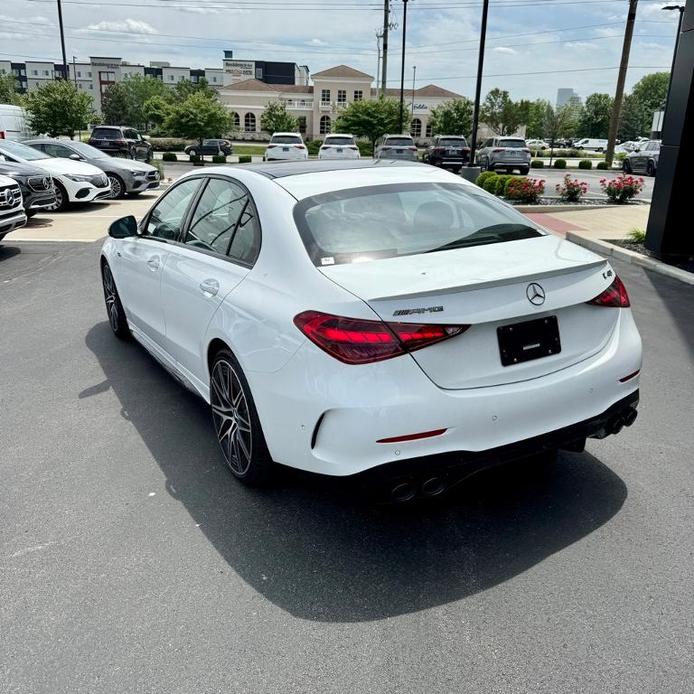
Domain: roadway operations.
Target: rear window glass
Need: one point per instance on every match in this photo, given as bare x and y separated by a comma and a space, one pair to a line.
363, 224
399, 141
106, 134
286, 139
339, 141
452, 142
518, 144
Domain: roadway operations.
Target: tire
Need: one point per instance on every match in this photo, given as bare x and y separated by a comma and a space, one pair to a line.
29, 213
524, 170
193, 152
114, 308
540, 462
650, 169
236, 423
117, 187
61, 199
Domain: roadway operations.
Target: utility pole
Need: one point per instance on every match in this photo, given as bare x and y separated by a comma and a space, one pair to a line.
386, 26
402, 67
379, 36
74, 77
478, 88
62, 39
414, 78
619, 93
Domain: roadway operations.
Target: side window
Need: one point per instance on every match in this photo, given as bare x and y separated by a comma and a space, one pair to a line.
57, 151
130, 134
166, 219
245, 245
215, 218
487, 143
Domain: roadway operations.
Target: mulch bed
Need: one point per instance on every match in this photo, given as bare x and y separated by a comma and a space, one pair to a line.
637, 247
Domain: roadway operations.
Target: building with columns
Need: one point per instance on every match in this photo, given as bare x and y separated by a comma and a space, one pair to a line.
318, 105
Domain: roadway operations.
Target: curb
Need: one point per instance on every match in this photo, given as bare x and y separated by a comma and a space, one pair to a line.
558, 209
609, 249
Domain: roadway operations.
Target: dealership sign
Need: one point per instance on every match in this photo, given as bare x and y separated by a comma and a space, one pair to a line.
240, 69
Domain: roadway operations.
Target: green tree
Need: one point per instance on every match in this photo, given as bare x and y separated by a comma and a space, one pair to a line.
8, 90
532, 115
594, 120
631, 123
198, 117
369, 119
651, 92
452, 118
115, 105
156, 110
559, 122
275, 118
139, 90
500, 112
185, 88
58, 108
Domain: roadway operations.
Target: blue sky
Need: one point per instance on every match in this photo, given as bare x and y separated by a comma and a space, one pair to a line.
567, 43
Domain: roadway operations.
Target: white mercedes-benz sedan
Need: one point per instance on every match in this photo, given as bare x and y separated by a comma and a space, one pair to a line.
345, 317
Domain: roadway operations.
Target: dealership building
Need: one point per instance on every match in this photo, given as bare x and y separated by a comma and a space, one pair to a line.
245, 87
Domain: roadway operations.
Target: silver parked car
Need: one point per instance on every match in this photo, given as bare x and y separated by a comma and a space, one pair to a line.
395, 147
125, 175
508, 153
644, 159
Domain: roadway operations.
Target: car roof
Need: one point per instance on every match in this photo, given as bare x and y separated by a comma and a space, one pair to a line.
283, 169
298, 134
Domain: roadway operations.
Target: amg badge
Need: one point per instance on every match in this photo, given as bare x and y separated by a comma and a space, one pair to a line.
415, 311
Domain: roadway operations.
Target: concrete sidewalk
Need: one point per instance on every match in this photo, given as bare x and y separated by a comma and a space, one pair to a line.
603, 223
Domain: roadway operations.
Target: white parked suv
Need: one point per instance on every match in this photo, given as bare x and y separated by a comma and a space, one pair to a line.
339, 146
74, 181
405, 322
12, 215
286, 146
590, 143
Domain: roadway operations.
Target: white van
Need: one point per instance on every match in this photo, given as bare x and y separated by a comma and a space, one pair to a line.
13, 123
591, 143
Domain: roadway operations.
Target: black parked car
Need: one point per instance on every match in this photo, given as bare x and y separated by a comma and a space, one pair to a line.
36, 185
121, 141
448, 152
212, 146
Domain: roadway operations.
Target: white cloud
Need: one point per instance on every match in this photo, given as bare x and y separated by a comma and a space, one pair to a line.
505, 49
131, 26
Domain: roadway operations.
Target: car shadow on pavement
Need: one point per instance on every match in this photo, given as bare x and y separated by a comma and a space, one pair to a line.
315, 549
7, 252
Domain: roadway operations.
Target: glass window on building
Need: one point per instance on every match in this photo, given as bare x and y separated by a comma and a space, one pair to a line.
302, 124
428, 131
416, 127
35, 72
341, 97
358, 94
236, 120
249, 122
325, 125
325, 96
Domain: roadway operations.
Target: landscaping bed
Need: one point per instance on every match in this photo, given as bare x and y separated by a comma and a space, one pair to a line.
640, 248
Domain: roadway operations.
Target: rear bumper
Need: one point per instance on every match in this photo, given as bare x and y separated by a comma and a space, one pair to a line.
291, 155
348, 154
329, 418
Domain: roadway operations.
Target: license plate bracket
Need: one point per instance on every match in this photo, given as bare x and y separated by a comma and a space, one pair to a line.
533, 339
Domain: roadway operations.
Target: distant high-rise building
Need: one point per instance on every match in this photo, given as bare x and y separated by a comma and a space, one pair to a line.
566, 95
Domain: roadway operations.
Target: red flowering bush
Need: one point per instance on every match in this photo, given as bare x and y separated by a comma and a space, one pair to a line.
572, 189
621, 189
524, 189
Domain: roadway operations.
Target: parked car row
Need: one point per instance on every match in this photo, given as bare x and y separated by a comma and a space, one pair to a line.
12, 214
52, 174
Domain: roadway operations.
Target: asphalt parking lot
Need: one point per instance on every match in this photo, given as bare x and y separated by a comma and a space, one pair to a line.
133, 562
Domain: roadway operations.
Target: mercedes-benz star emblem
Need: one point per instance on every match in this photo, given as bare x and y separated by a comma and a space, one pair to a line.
535, 294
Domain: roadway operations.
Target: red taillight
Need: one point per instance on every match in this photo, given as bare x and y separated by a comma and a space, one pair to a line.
271, 146
498, 149
299, 146
412, 149
614, 296
413, 437
359, 341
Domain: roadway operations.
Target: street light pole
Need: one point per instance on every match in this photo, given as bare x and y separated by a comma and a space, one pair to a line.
414, 79
478, 87
677, 40
402, 67
379, 36
62, 39
384, 64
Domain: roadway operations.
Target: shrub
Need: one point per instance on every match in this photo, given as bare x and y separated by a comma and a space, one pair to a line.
168, 144
484, 176
365, 148
601, 165
559, 163
585, 164
637, 235
491, 183
524, 189
313, 146
537, 164
169, 156
245, 159
502, 183
622, 188
219, 159
571, 189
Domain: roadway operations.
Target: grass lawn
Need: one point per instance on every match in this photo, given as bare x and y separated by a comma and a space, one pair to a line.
249, 150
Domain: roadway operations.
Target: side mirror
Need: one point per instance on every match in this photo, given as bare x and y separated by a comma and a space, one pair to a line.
123, 228
75, 157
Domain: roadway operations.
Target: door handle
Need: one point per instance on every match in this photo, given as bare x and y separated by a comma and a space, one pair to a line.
154, 263
209, 287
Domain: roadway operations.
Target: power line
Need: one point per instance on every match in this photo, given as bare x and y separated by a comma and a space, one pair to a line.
547, 72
